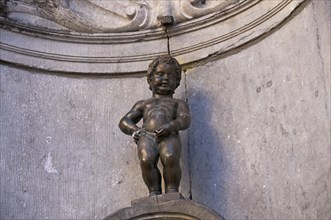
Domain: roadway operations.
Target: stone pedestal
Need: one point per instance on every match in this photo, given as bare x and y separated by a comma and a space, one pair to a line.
167, 206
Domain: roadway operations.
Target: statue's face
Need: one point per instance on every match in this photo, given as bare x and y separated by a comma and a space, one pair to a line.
164, 81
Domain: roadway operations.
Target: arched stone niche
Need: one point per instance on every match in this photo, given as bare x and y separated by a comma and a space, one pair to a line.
76, 37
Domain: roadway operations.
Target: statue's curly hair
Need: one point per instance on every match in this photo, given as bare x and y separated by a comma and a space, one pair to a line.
167, 59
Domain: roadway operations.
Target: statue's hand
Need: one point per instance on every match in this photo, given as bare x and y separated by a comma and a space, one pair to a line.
165, 130
136, 136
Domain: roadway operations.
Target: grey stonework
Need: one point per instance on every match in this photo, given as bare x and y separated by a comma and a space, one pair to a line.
171, 206
25, 41
264, 155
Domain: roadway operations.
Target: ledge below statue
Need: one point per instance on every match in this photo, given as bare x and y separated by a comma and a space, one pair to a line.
166, 206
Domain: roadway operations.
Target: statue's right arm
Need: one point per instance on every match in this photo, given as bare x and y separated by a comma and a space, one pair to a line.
128, 123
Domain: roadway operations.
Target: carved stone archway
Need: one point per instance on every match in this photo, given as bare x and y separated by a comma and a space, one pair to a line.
119, 38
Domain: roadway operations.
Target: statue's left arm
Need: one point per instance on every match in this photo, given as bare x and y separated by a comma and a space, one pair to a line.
183, 119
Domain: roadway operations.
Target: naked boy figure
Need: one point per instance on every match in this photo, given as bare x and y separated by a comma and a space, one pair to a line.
163, 118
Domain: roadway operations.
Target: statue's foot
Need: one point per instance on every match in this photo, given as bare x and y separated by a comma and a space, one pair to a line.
171, 190
154, 193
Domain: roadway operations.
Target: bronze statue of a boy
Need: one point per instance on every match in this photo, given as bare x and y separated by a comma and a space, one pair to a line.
163, 118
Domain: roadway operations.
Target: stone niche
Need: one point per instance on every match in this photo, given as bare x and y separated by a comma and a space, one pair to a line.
257, 81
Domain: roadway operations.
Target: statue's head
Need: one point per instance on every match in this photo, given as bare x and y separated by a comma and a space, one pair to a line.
164, 75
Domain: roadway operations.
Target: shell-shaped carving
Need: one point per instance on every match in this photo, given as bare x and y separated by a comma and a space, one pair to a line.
104, 16
88, 16
67, 36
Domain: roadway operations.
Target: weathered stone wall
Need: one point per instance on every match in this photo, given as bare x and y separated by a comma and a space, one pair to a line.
258, 146
63, 156
260, 138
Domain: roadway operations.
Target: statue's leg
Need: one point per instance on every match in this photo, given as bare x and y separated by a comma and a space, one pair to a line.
148, 156
170, 149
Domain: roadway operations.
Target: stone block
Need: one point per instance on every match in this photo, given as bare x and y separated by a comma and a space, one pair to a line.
165, 207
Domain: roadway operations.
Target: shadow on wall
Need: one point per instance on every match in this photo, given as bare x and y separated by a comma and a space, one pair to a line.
209, 165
